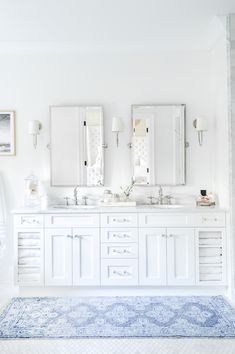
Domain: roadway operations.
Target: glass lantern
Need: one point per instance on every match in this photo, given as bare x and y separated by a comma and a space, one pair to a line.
32, 197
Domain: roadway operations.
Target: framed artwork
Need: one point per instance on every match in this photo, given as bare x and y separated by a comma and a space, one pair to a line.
7, 133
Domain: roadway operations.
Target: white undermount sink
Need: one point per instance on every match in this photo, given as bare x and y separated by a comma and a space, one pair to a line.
163, 206
72, 207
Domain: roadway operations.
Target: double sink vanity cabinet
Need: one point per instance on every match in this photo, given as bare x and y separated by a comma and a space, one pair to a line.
135, 246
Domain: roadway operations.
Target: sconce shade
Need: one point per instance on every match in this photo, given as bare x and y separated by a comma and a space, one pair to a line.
117, 125
200, 124
34, 127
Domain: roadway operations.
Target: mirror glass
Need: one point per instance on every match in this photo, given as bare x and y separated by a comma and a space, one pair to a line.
77, 154
158, 144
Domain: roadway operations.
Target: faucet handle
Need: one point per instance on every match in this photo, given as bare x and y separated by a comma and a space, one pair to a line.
151, 199
84, 199
67, 200
168, 198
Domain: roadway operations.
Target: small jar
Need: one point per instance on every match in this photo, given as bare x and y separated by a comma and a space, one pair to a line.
108, 196
31, 191
116, 198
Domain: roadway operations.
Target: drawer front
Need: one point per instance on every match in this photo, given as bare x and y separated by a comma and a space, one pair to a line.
119, 272
182, 220
119, 220
163, 220
32, 220
78, 220
209, 220
119, 235
119, 250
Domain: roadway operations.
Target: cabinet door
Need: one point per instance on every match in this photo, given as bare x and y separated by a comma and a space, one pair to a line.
152, 256
58, 256
86, 256
180, 256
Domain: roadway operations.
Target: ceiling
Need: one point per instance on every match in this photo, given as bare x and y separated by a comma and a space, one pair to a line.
113, 24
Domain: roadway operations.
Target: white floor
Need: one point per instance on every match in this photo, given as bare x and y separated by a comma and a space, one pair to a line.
119, 346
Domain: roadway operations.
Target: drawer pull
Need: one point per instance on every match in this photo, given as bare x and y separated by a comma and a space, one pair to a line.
34, 221
120, 220
69, 236
121, 274
121, 252
121, 236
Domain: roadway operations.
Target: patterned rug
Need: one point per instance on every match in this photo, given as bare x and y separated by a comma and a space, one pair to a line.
54, 317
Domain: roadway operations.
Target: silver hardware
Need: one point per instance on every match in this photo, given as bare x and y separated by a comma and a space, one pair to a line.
84, 200
75, 194
69, 236
129, 145
77, 236
120, 220
121, 274
170, 235
104, 146
163, 235
186, 144
66, 200
151, 200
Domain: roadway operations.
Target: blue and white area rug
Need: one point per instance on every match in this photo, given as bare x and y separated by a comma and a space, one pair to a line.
52, 317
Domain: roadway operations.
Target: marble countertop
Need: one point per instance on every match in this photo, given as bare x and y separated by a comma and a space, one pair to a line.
118, 209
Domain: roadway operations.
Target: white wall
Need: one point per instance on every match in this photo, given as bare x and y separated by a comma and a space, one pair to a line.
219, 102
32, 80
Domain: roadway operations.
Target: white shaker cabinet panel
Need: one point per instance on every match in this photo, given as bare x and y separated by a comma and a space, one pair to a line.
86, 256
180, 256
159, 220
72, 220
58, 256
119, 235
119, 220
119, 272
152, 256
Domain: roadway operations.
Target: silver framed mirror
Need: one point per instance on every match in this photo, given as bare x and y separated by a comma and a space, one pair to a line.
76, 144
158, 144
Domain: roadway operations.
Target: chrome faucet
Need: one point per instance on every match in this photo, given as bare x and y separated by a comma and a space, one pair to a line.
75, 194
160, 195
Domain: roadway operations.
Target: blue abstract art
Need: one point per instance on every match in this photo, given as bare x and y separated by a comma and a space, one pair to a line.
141, 316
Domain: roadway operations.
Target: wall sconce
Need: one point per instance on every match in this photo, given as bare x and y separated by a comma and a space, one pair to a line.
201, 125
34, 130
117, 127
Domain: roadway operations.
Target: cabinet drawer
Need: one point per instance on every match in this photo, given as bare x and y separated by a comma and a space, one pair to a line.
182, 220
32, 220
119, 235
119, 220
119, 272
210, 220
163, 220
78, 220
120, 250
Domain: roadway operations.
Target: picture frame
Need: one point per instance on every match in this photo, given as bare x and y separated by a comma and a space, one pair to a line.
7, 133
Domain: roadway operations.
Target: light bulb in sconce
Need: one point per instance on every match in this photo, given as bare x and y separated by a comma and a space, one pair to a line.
117, 127
34, 130
201, 125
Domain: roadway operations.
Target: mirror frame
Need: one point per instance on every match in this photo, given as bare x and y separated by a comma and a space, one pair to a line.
103, 145
133, 106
